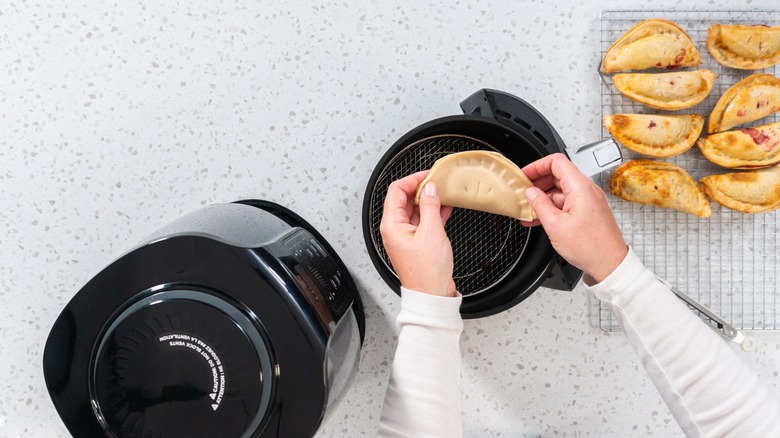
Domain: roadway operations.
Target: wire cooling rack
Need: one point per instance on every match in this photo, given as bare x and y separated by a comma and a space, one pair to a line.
728, 262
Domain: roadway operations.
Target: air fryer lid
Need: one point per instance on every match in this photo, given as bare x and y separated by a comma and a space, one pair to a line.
143, 347
497, 261
162, 366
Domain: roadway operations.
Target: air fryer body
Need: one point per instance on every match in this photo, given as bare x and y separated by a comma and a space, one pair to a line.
508, 125
236, 320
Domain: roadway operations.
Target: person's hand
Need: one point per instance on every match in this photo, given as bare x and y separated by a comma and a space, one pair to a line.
575, 214
414, 237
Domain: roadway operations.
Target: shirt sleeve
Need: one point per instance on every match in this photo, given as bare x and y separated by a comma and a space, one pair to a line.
710, 391
423, 395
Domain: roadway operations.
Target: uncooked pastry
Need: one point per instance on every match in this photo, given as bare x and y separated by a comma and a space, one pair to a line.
661, 184
744, 47
666, 91
749, 192
748, 148
750, 99
659, 136
651, 44
481, 180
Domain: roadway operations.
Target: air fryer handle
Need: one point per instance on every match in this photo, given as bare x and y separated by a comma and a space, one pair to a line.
596, 157
519, 115
516, 113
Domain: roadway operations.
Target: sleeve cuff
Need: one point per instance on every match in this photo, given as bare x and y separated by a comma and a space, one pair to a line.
628, 272
438, 310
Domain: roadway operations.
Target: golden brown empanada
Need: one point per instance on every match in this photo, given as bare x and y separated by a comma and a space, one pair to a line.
750, 99
481, 180
666, 91
661, 184
651, 44
655, 135
755, 191
744, 47
744, 149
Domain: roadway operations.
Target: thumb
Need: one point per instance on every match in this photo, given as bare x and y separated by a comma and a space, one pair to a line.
541, 204
430, 206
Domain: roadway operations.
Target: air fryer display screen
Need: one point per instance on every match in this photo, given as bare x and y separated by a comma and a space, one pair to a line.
178, 368
313, 266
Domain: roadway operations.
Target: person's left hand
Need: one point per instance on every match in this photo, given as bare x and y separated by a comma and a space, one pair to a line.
414, 237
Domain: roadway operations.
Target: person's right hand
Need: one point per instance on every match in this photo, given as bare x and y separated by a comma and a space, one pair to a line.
575, 214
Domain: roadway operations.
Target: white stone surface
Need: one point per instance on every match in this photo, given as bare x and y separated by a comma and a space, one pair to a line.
118, 117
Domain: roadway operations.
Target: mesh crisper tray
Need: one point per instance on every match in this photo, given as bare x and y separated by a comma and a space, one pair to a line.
486, 247
729, 261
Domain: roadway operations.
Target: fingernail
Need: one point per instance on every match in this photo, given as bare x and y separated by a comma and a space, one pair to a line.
430, 189
531, 193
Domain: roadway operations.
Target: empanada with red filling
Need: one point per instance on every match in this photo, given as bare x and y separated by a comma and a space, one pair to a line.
659, 136
651, 44
743, 149
750, 99
744, 47
481, 180
666, 91
755, 191
660, 184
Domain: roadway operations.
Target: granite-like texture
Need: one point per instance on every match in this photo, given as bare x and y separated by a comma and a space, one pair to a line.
116, 118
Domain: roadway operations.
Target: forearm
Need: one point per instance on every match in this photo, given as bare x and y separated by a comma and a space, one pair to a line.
708, 388
423, 395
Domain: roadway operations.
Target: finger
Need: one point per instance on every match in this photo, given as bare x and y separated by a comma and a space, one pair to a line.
415, 217
557, 197
539, 168
557, 165
395, 209
430, 207
400, 196
409, 183
533, 223
446, 212
546, 182
569, 176
545, 210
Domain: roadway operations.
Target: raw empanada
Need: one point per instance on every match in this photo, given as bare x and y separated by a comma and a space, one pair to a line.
750, 99
744, 149
481, 180
749, 192
744, 47
660, 184
655, 135
651, 44
666, 91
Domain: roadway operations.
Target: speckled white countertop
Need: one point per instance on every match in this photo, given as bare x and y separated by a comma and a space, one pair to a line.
118, 117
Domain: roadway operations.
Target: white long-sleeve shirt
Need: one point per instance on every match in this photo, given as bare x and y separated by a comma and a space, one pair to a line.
707, 387
423, 395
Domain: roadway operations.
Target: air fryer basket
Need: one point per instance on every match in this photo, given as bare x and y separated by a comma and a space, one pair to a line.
498, 262
485, 246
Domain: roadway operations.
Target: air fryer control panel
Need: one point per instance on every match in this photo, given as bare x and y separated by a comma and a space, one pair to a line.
316, 272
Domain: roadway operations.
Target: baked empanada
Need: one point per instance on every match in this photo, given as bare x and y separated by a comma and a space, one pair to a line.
666, 91
481, 180
755, 191
655, 135
651, 44
661, 184
750, 99
744, 47
744, 149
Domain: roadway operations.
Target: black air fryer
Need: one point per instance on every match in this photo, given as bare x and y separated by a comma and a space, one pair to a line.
498, 262
238, 320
